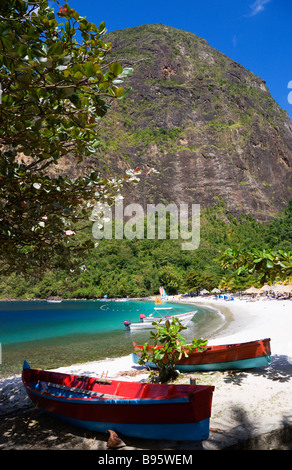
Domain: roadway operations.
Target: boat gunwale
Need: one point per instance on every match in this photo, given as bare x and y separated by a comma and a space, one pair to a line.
110, 401
172, 392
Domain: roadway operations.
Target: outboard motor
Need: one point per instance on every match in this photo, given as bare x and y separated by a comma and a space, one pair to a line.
127, 324
142, 316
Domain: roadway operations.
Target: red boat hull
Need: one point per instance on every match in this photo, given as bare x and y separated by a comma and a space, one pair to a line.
239, 355
178, 412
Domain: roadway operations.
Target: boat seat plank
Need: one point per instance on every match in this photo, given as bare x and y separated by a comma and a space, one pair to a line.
79, 390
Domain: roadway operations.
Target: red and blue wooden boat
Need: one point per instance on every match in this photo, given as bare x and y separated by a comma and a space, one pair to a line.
223, 357
151, 411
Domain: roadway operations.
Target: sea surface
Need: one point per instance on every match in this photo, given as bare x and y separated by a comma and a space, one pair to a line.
50, 335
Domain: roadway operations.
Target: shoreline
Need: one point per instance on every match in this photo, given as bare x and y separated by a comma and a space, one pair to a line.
98, 299
246, 403
257, 319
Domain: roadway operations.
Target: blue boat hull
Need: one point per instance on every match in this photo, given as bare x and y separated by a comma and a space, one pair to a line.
178, 431
261, 361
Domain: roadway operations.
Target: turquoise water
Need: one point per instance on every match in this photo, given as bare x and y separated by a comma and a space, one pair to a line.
52, 335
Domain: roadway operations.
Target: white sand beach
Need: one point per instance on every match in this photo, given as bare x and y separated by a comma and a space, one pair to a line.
246, 404
253, 402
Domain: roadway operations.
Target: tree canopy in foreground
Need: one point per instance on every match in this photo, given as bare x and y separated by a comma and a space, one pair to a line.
56, 84
268, 264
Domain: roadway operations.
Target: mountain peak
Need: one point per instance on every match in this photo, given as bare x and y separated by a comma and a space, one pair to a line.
208, 125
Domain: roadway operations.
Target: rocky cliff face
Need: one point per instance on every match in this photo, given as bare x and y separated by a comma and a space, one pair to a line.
208, 125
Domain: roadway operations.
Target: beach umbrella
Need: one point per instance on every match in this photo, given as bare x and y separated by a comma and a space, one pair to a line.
266, 288
252, 290
278, 289
215, 291
204, 291
281, 289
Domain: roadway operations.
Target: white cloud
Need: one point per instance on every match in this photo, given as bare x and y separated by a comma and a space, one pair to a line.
258, 6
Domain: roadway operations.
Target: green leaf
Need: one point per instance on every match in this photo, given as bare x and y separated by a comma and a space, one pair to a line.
116, 68
67, 27
56, 48
125, 94
88, 68
101, 27
78, 75
118, 92
241, 269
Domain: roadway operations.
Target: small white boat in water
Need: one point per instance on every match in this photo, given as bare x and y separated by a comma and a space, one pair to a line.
161, 313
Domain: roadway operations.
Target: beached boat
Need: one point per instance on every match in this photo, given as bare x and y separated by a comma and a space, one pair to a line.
224, 357
150, 411
160, 313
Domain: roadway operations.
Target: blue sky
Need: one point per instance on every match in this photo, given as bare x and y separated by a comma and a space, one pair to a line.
255, 33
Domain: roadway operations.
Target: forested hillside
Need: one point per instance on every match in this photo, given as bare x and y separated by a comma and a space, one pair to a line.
120, 268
